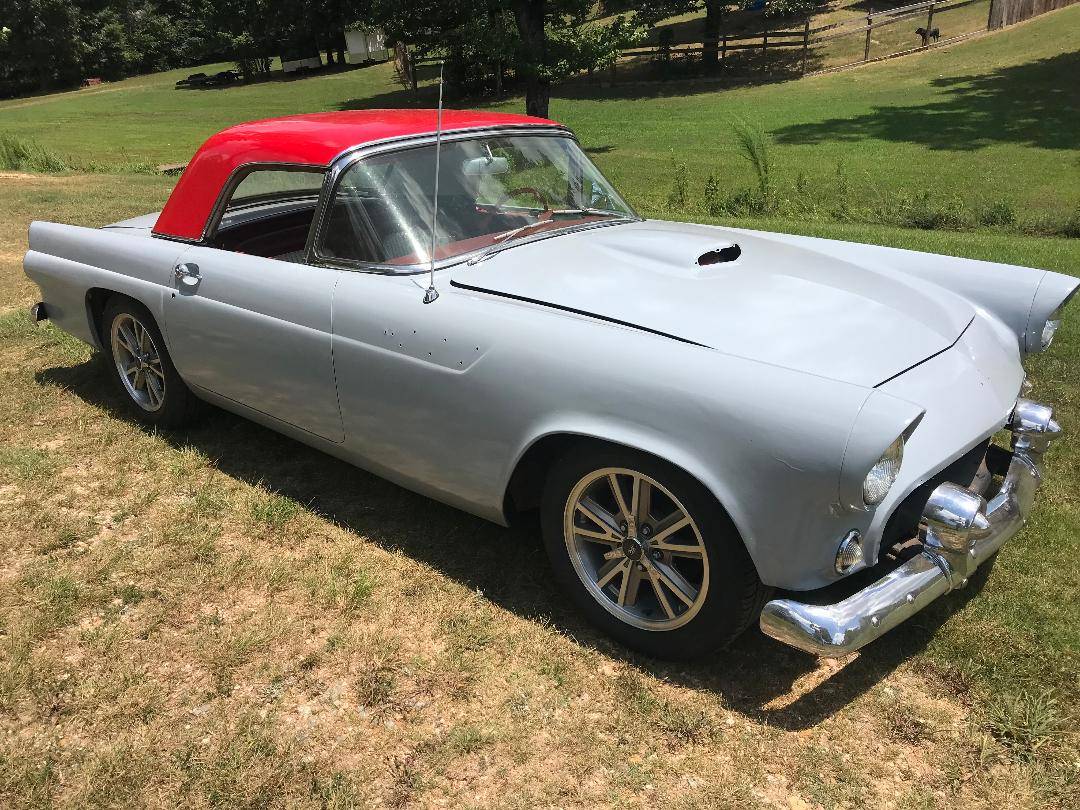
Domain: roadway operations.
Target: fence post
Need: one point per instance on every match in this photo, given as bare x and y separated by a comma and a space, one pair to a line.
723, 46
764, 41
929, 24
805, 44
869, 30
995, 18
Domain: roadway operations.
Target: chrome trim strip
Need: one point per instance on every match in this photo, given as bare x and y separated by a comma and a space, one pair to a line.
386, 144
960, 531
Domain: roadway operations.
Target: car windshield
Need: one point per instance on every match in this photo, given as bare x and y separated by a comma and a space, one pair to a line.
493, 191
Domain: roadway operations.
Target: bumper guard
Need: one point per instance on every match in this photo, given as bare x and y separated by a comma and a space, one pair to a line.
960, 530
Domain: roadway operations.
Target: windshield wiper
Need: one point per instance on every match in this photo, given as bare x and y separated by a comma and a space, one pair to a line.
504, 240
595, 212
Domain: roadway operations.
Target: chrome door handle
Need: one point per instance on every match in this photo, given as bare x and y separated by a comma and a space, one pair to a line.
187, 274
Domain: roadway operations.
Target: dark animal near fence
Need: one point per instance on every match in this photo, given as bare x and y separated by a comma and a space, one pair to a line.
928, 34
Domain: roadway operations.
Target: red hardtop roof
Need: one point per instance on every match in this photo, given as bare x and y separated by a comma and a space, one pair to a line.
313, 139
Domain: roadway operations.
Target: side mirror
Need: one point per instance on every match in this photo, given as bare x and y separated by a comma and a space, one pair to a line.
483, 166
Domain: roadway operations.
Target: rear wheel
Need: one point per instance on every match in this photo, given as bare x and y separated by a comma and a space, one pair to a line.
142, 366
647, 552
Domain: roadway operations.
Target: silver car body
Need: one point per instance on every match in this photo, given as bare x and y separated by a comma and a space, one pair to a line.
777, 379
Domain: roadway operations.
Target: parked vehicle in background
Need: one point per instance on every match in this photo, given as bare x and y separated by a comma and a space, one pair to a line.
213, 80
702, 415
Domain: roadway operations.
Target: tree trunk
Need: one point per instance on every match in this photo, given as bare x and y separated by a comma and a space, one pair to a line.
537, 96
710, 38
529, 15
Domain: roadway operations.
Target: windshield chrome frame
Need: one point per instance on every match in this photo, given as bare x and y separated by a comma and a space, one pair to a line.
350, 157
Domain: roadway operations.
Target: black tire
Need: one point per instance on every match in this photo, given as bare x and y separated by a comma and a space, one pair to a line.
177, 405
734, 596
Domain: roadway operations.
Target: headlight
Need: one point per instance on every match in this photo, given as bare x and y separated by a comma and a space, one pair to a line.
883, 474
1050, 327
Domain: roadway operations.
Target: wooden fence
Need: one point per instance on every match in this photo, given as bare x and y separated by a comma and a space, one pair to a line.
807, 49
1007, 12
802, 50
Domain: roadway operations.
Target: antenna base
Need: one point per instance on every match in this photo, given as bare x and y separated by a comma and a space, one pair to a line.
430, 294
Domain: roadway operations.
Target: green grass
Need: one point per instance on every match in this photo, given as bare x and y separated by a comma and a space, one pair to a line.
226, 617
24, 463
984, 121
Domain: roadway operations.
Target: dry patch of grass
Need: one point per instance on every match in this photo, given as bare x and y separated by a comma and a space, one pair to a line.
221, 617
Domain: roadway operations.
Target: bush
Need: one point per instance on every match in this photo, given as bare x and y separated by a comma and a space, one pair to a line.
755, 147
997, 214
26, 156
18, 155
928, 213
680, 185
712, 197
1071, 227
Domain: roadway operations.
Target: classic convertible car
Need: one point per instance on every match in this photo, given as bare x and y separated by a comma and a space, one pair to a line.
703, 416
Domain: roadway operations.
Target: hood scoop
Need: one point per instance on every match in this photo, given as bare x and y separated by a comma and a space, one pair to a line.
721, 255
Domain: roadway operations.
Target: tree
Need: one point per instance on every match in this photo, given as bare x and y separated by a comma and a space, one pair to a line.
45, 47
541, 41
56, 43
252, 32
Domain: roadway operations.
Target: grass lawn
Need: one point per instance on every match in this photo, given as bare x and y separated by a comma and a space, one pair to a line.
975, 123
222, 617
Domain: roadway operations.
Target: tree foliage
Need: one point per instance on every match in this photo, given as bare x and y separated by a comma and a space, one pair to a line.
52, 44
484, 42
57, 43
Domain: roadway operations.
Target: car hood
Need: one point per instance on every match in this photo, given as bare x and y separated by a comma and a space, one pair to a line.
776, 303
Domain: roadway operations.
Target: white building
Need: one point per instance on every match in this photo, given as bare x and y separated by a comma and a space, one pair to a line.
366, 45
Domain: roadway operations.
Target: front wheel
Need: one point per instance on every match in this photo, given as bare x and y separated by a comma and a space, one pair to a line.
647, 552
142, 366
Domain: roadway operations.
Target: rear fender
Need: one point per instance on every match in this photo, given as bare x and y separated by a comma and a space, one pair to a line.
67, 262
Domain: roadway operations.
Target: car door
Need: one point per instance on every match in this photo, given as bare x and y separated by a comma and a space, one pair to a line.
257, 331
409, 398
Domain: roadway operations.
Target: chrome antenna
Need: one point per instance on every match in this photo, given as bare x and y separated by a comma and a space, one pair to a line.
431, 293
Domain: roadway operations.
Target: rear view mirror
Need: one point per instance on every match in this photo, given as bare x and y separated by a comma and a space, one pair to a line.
483, 166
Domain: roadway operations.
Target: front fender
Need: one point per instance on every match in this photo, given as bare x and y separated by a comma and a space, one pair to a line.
1021, 297
666, 446
773, 464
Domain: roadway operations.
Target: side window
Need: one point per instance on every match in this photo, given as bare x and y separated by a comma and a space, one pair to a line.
266, 185
270, 212
369, 218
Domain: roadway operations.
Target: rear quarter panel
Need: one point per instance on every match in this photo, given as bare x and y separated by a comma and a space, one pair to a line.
67, 261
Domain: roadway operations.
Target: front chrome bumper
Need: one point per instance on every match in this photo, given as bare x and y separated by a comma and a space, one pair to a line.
960, 530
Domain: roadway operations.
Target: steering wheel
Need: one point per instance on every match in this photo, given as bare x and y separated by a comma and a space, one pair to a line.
522, 190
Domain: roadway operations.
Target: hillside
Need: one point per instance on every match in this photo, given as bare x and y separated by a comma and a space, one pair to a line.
992, 119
